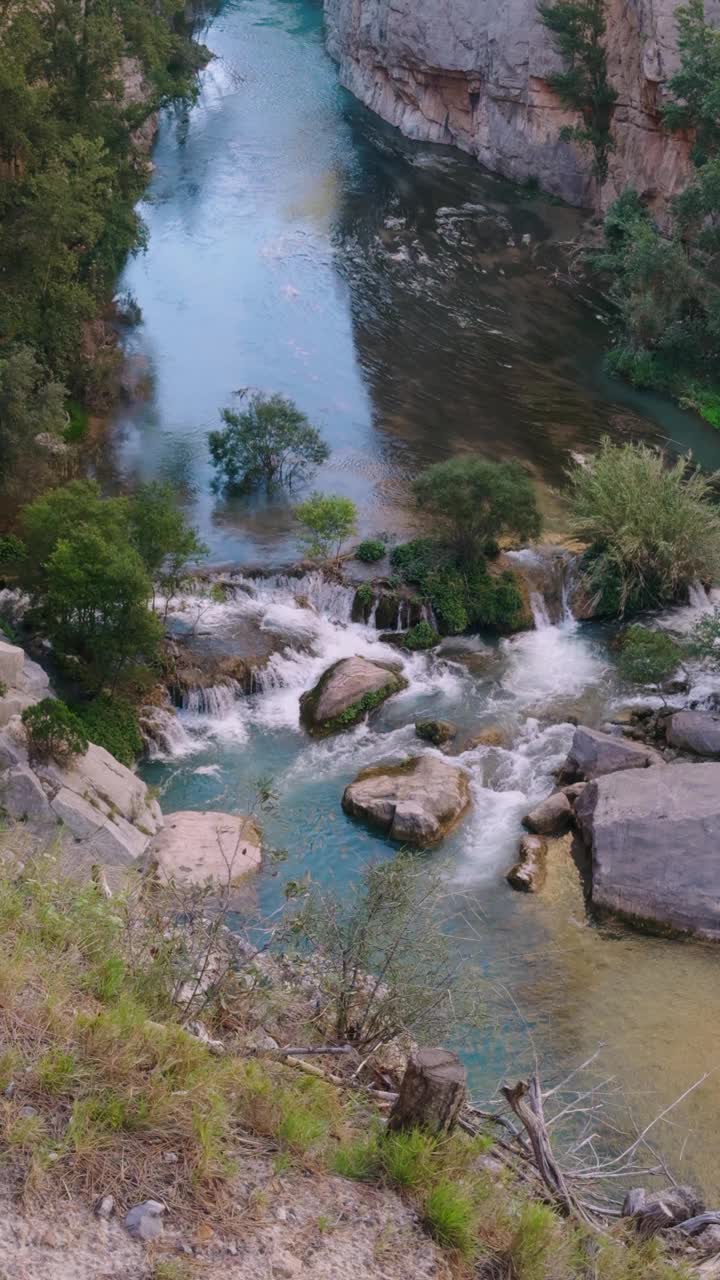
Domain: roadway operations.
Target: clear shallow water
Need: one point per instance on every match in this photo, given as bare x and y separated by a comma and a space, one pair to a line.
297, 245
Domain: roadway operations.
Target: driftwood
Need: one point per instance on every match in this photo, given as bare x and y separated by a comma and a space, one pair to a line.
432, 1092
526, 1101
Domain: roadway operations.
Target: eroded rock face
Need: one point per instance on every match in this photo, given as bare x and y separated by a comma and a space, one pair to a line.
416, 802
474, 73
594, 753
194, 848
655, 840
346, 692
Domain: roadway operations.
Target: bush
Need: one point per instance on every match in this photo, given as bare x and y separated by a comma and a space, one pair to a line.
11, 549
371, 550
270, 443
652, 529
113, 725
704, 640
449, 1216
475, 502
53, 731
328, 521
648, 657
421, 636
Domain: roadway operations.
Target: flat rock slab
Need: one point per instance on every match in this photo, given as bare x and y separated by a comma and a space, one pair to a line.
113, 788
416, 802
21, 794
346, 692
114, 841
655, 841
197, 848
696, 731
593, 754
12, 661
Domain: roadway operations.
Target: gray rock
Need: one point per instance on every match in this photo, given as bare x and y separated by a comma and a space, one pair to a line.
551, 818
258, 1041
655, 841
528, 874
22, 796
593, 753
12, 660
696, 731
436, 731
708, 1240
342, 690
113, 789
144, 1221
573, 790
416, 802
195, 848
105, 1207
10, 751
27, 1112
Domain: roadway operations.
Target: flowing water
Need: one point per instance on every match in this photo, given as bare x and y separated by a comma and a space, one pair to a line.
414, 307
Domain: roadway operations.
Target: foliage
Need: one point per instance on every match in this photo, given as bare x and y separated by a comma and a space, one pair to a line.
53, 731
371, 550
474, 502
12, 549
30, 404
449, 1215
462, 596
421, 636
388, 966
113, 724
328, 521
162, 537
579, 28
358, 710
651, 527
269, 443
648, 657
704, 640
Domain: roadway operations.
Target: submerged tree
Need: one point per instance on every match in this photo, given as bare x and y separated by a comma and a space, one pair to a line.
271, 443
328, 521
474, 502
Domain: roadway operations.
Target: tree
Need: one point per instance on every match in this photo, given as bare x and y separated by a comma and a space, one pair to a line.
30, 404
652, 528
270, 443
648, 657
474, 502
329, 521
59, 514
579, 28
162, 536
53, 731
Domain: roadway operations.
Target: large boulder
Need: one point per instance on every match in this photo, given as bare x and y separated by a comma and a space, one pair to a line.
196, 848
346, 692
593, 754
110, 787
113, 841
22, 682
655, 841
22, 796
12, 658
438, 732
696, 731
416, 802
552, 817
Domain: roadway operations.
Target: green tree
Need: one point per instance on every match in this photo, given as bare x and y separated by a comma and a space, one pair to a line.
30, 404
162, 536
269, 443
579, 28
474, 502
58, 514
328, 522
53, 731
648, 657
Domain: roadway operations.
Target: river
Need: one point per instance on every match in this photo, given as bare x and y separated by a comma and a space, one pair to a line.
413, 307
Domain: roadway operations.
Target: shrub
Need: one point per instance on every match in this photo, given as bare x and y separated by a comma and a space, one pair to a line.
421, 636
449, 1215
113, 724
328, 521
270, 443
474, 502
407, 1157
370, 550
652, 528
704, 640
648, 657
11, 548
53, 731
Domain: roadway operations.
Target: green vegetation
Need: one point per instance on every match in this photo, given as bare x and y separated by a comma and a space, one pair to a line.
449, 1215
53, 731
328, 522
421, 636
652, 528
371, 550
648, 657
30, 405
162, 537
270, 443
474, 502
358, 710
704, 639
461, 597
579, 28
113, 724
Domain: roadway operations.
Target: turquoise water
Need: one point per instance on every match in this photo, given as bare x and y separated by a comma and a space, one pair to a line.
414, 307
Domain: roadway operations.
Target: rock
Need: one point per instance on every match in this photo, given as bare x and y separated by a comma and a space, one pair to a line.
195, 847
655, 841
200, 1032
12, 661
285, 1266
258, 1041
11, 752
696, 731
22, 796
436, 731
593, 753
113, 789
551, 818
170, 1157
144, 1221
492, 736
346, 692
105, 1207
416, 802
528, 874
27, 1112
573, 790
114, 841
708, 1240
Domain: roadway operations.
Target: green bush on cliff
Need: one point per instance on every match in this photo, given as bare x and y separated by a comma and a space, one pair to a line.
113, 724
461, 596
53, 731
370, 551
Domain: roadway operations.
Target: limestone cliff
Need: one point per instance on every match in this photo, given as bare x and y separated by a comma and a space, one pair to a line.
473, 73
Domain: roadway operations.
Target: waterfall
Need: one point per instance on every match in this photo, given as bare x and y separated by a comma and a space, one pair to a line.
698, 596
540, 614
164, 734
548, 574
215, 700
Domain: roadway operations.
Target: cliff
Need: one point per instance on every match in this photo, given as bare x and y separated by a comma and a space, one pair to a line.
474, 74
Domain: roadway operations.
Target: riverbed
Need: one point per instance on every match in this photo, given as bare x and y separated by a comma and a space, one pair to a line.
414, 307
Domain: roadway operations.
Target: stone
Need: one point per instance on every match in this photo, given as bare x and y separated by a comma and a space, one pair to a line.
10, 752
12, 661
593, 753
114, 841
285, 1266
200, 1032
708, 1240
492, 736
436, 731
654, 835
22, 796
113, 788
259, 1041
550, 818
346, 692
144, 1221
105, 1207
528, 874
696, 731
416, 802
197, 848
573, 790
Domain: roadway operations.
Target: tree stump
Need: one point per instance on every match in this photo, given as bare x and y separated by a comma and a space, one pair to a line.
432, 1092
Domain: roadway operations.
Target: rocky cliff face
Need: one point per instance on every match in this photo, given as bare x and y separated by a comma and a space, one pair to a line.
473, 73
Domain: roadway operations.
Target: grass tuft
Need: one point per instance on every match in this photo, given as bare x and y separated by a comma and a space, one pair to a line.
449, 1215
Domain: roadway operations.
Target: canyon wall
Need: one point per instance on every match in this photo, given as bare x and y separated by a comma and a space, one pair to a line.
474, 74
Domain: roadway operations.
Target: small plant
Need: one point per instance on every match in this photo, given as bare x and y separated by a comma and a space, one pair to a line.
11, 549
535, 1241
449, 1215
3, 688
421, 636
371, 550
269, 443
648, 657
359, 1159
704, 642
53, 731
407, 1157
328, 522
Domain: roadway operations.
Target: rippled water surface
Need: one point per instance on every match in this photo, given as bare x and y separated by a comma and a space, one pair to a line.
413, 307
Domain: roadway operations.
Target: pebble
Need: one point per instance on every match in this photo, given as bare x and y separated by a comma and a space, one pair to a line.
170, 1157
144, 1221
105, 1207
27, 1112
